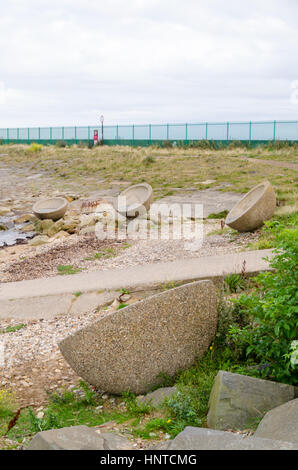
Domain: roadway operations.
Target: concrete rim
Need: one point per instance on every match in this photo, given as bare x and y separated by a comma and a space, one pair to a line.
231, 219
132, 209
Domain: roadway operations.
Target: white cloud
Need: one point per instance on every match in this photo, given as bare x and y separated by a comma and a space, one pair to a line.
66, 62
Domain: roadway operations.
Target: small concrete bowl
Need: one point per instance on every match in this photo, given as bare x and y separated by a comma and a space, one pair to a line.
53, 208
253, 209
138, 200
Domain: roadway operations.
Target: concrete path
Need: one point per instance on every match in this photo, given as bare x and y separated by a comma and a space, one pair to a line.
50, 297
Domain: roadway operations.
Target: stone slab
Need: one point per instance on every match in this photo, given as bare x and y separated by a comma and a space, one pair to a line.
157, 397
280, 423
78, 438
237, 401
207, 439
129, 349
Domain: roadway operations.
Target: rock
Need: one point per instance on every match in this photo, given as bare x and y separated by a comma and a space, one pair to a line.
129, 349
39, 240
115, 442
70, 224
43, 226
207, 439
237, 401
87, 230
55, 228
28, 228
25, 218
4, 211
78, 438
157, 397
281, 423
60, 235
88, 220
115, 304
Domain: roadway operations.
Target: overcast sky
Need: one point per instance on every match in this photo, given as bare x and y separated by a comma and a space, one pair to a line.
66, 62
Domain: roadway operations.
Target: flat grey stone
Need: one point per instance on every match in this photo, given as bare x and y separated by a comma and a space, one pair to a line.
115, 442
163, 445
157, 397
208, 439
129, 349
78, 438
280, 423
238, 401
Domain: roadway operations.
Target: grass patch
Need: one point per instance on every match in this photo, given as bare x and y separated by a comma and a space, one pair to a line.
107, 253
67, 270
121, 306
220, 215
78, 294
12, 329
272, 229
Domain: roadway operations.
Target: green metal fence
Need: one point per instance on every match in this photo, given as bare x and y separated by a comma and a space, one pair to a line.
227, 132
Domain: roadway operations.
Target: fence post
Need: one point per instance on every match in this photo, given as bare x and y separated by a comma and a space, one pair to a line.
62, 133
168, 132
206, 130
250, 125
75, 134
51, 135
18, 133
88, 133
39, 134
7, 134
28, 135
274, 131
228, 129
133, 134
117, 134
186, 133
149, 134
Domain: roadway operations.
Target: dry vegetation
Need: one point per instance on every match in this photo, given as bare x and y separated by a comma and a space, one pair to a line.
167, 170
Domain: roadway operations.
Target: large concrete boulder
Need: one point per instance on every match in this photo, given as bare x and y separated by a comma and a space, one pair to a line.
78, 438
253, 209
129, 349
238, 401
207, 439
280, 423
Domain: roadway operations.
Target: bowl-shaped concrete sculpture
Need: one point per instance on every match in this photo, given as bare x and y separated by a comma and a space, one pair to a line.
253, 209
130, 349
53, 208
138, 200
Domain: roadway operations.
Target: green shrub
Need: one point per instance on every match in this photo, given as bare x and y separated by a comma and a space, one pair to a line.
273, 309
34, 147
183, 409
234, 283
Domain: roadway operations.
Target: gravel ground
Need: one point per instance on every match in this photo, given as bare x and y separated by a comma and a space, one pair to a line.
24, 262
32, 360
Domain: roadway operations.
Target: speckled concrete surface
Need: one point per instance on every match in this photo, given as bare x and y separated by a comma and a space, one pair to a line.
127, 350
